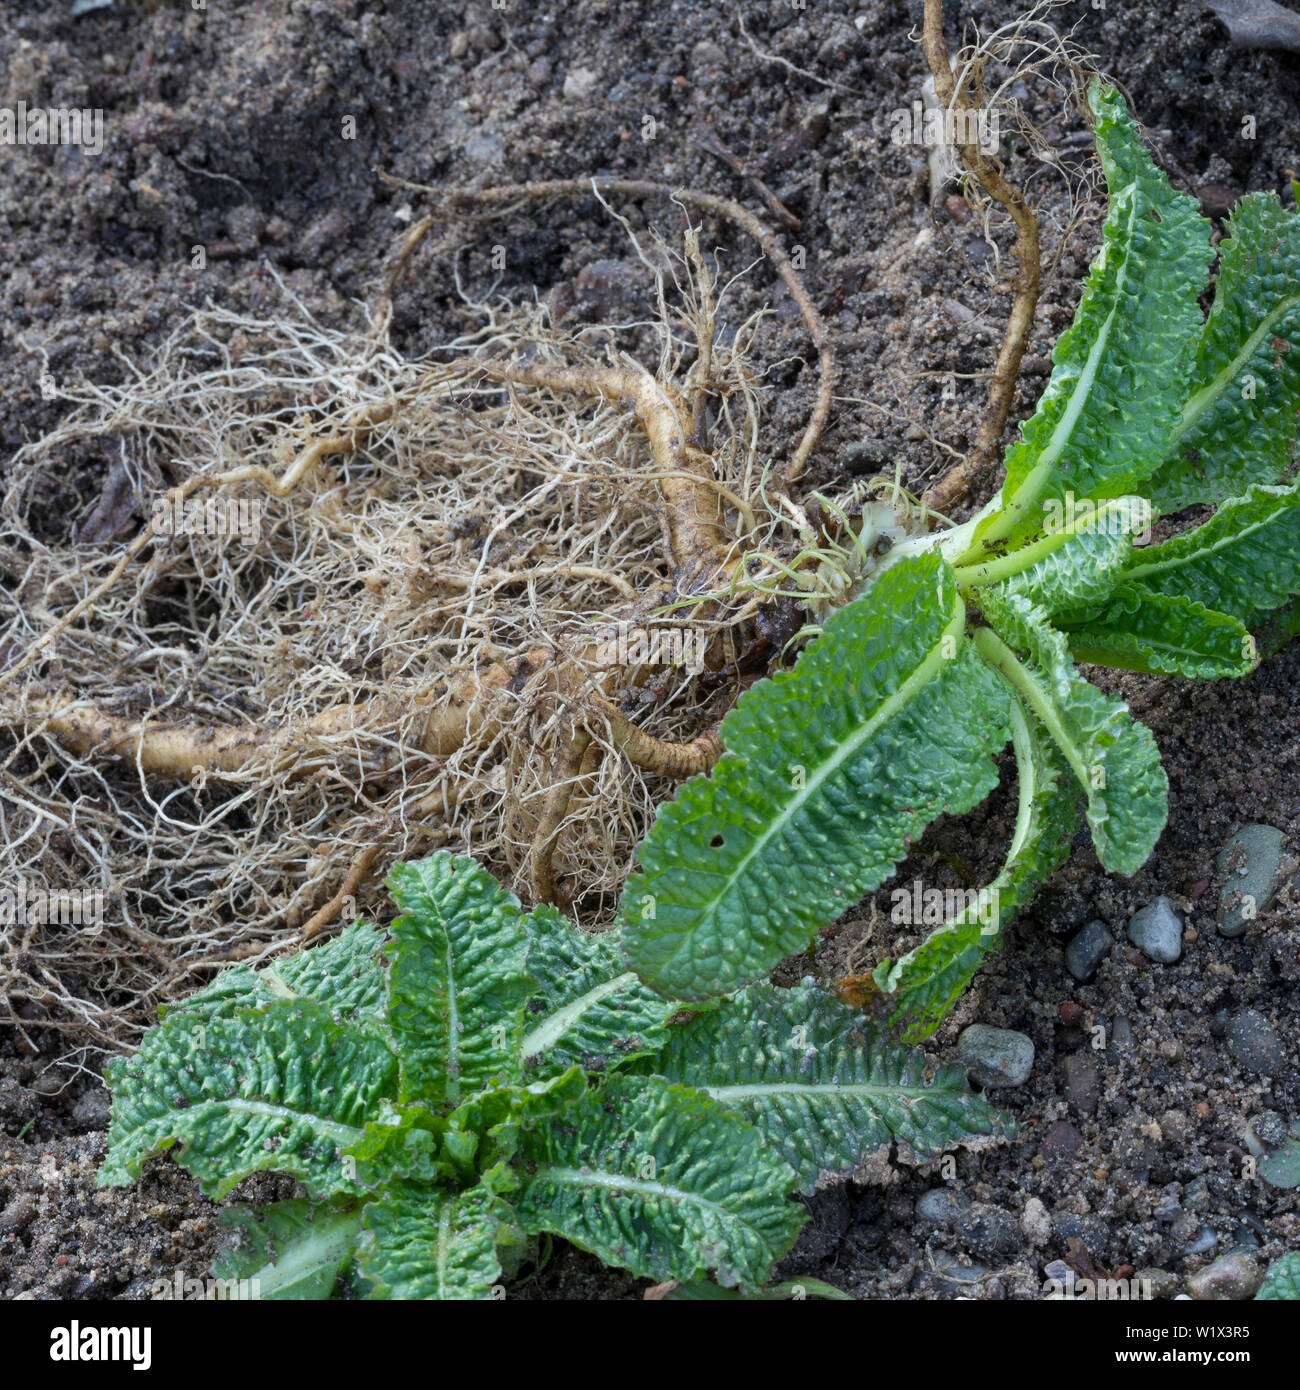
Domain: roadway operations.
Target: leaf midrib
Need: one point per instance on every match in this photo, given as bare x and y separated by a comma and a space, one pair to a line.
933, 661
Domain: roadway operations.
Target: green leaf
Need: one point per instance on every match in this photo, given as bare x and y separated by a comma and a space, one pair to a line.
501, 1115
588, 1007
458, 981
1113, 757
1142, 630
283, 1089
347, 975
1244, 561
817, 1081
927, 981
1118, 385
1282, 1282
288, 1250
435, 1245
1239, 425
1077, 564
662, 1180
832, 771
401, 1142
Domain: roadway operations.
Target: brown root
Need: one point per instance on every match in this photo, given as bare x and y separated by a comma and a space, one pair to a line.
464, 200
444, 718
956, 484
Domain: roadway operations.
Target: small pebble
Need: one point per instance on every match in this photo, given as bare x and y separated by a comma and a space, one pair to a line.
1202, 1241
19, 1214
1161, 1283
1269, 1128
940, 1204
1157, 931
579, 83
1061, 1138
1035, 1223
1253, 1041
954, 1275
1081, 1082
1086, 951
1250, 864
707, 55
1231, 1278
995, 1056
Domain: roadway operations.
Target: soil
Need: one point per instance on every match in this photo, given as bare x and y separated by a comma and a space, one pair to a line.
225, 129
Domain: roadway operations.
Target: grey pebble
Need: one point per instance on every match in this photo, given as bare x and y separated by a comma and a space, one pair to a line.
952, 1274
1081, 1082
1229, 1278
940, 1204
995, 1056
19, 1214
1250, 863
1087, 949
1204, 1239
1157, 931
1253, 1041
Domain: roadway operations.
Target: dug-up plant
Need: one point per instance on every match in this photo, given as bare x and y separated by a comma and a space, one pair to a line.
427, 645
954, 643
485, 1076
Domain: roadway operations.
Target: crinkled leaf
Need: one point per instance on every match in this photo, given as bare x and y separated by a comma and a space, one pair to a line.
1238, 426
288, 1250
1107, 416
818, 1082
588, 1008
435, 1245
500, 1115
926, 982
1244, 561
347, 975
1282, 1282
402, 1142
662, 1180
832, 770
1141, 630
281, 1089
459, 979
1075, 568
1113, 757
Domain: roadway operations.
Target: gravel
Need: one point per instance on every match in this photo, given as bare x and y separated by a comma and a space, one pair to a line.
1087, 949
996, 1056
1229, 1278
1253, 1041
1157, 931
1250, 863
